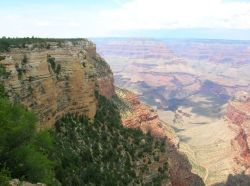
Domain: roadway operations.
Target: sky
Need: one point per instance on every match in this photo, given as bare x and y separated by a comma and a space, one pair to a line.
208, 19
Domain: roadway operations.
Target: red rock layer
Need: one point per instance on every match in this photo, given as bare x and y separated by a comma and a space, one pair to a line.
143, 117
235, 115
238, 115
146, 119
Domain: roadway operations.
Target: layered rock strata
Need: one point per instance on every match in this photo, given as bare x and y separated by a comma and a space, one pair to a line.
63, 77
58, 79
140, 116
238, 117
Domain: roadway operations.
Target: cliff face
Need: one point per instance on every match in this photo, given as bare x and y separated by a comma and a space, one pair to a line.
62, 78
58, 79
105, 78
140, 116
238, 116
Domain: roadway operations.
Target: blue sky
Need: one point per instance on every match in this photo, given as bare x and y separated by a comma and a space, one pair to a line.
212, 19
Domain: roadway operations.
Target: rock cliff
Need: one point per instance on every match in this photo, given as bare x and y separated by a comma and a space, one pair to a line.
140, 116
61, 77
105, 78
57, 79
238, 117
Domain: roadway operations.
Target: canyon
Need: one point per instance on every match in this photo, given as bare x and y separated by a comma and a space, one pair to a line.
194, 85
186, 93
137, 115
55, 78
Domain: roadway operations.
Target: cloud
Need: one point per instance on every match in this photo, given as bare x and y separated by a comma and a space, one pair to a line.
172, 14
44, 21
124, 18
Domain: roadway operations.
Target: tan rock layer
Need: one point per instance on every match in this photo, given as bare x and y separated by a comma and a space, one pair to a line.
105, 78
51, 93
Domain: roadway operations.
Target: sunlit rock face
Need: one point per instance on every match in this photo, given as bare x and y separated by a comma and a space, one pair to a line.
238, 116
137, 115
56, 80
141, 116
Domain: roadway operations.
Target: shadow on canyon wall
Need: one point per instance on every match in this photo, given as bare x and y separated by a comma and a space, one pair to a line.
211, 97
236, 180
181, 169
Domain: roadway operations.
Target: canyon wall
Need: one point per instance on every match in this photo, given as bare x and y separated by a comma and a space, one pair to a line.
62, 77
58, 79
137, 115
105, 78
238, 117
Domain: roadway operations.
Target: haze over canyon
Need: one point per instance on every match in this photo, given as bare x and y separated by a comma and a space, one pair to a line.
125, 93
200, 88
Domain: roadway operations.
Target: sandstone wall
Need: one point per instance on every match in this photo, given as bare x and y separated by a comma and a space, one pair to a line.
52, 89
105, 78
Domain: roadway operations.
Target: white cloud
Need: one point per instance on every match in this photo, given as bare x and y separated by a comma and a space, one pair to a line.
122, 17
168, 14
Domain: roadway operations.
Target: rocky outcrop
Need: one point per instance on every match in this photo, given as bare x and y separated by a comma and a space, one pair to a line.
17, 182
238, 117
58, 79
236, 113
105, 78
140, 116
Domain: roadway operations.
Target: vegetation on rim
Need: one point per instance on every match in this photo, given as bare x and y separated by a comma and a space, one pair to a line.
7, 43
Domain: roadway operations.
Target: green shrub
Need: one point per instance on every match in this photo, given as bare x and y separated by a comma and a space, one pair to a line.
3, 73
2, 91
24, 60
58, 68
98, 152
7, 43
51, 61
24, 151
4, 45
5, 177
2, 58
28, 162
55, 67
